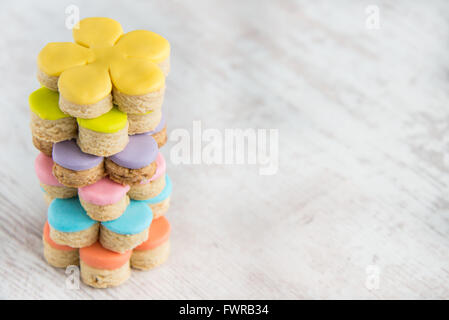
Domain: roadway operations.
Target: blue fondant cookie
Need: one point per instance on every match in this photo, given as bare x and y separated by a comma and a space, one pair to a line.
70, 225
129, 230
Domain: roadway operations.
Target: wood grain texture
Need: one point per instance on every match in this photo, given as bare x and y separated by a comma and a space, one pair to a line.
363, 123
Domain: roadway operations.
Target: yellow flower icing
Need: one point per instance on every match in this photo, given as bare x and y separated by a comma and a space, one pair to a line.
110, 122
149, 78
144, 44
56, 57
45, 104
101, 57
76, 85
97, 32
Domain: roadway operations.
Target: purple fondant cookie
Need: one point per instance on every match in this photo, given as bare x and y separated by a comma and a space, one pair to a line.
75, 168
136, 163
158, 128
159, 133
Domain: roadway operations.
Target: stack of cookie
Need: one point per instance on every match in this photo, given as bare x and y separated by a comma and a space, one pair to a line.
98, 125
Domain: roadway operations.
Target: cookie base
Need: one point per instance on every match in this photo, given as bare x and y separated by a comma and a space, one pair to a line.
104, 278
86, 111
62, 192
148, 259
50, 82
47, 199
102, 144
161, 137
46, 147
141, 123
77, 239
53, 130
60, 258
78, 179
121, 242
159, 209
129, 176
148, 190
139, 104
106, 212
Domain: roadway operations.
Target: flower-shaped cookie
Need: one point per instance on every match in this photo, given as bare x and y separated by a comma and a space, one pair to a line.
103, 59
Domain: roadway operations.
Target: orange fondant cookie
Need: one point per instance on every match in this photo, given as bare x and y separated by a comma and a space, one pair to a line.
156, 249
102, 268
57, 255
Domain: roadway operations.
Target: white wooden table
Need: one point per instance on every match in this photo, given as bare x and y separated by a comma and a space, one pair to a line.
359, 206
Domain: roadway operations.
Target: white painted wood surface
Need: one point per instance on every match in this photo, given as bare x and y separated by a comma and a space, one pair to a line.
363, 119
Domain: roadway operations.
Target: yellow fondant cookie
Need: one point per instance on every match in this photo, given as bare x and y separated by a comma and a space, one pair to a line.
105, 135
134, 65
44, 103
110, 122
48, 123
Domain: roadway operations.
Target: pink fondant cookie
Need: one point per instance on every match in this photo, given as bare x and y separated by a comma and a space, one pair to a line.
156, 249
59, 256
102, 268
53, 189
151, 187
104, 200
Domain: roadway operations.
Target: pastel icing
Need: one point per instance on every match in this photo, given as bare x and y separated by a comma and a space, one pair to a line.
52, 243
149, 79
56, 57
43, 165
103, 57
136, 218
110, 122
140, 151
160, 169
165, 193
67, 215
144, 44
98, 257
158, 233
103, 192
45, 104
97, 32
158, 128
68, 154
